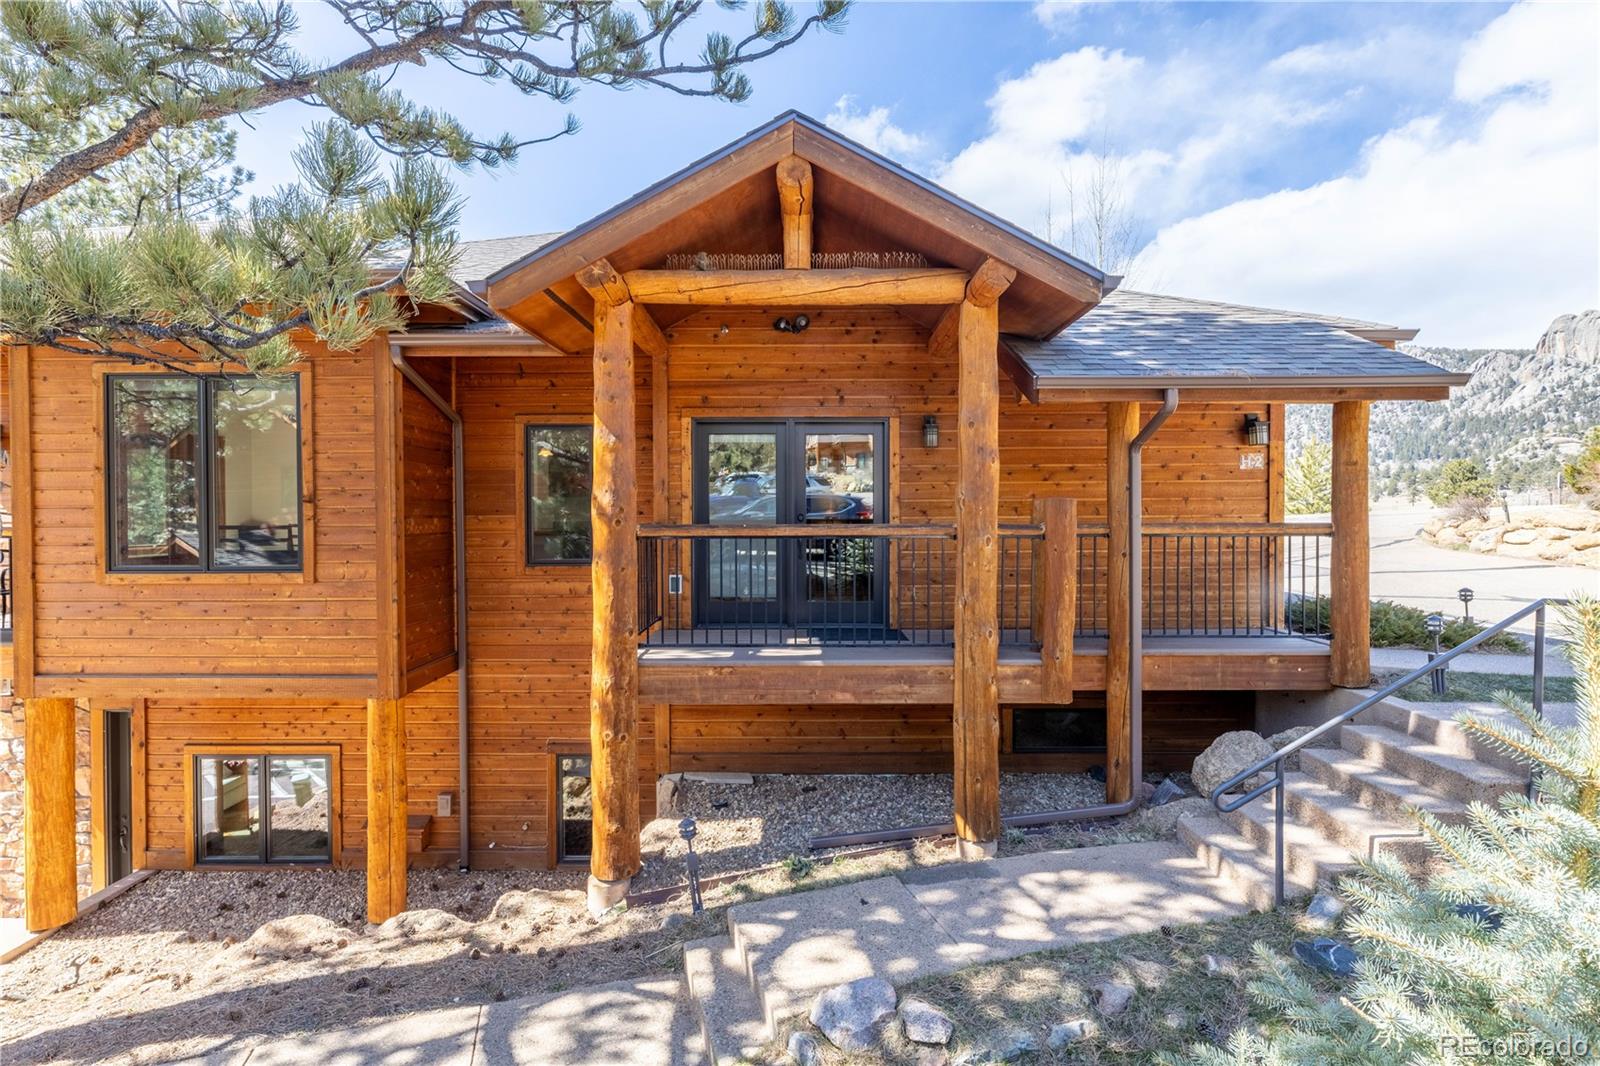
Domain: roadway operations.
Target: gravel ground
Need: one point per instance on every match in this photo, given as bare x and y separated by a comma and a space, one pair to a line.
743, 827
191, 962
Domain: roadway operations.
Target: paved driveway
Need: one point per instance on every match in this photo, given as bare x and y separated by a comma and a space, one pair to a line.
1408, 571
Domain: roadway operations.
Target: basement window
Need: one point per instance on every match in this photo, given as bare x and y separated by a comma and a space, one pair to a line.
559, 476
575, 810
263, 808
204, 473
1057, 730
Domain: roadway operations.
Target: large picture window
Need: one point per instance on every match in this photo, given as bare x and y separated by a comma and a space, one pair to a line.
263, 808
204, 473
559, 477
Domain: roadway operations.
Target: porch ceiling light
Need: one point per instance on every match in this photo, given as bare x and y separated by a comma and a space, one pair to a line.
930, 432
1257, 430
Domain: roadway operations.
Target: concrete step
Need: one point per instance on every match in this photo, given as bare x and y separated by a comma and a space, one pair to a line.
1435, 723
1386, 793
1433, 767
797, 946
1308, 856
1238, 862
732, 1028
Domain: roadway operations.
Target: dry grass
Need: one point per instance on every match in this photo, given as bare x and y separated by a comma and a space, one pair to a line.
1177, 1002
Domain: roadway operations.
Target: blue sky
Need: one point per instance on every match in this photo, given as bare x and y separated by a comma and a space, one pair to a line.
1430, 164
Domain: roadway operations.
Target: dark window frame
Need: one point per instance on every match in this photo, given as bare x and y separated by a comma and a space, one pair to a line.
529, 428
205, 466
263, 855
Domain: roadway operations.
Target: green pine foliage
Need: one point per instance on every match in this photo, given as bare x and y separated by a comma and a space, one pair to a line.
1493, 958
1582, 471
1308, 482
113, 113
1457, 480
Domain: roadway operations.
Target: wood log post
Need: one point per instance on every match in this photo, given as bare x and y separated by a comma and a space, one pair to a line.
614, 665
1122, 425
386, 809
796, 200
1351, 562
1055, 594
49, 814
976, 699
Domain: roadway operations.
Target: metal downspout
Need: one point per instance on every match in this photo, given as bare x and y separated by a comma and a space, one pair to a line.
1169, 404
458, 516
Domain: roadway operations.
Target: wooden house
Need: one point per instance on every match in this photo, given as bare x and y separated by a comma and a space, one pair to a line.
794, 462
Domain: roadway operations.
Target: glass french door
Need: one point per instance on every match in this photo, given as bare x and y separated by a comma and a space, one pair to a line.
795, 472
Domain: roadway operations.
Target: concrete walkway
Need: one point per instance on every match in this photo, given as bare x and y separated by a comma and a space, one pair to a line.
1556, 663
788, 949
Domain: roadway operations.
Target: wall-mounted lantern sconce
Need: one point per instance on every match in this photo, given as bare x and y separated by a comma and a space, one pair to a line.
1257, 430
930, 432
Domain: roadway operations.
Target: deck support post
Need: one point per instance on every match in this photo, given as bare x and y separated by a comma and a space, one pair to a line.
1351, 562
975, 724
614, 665
49, 814
386, 809
1055, 594
1122, 425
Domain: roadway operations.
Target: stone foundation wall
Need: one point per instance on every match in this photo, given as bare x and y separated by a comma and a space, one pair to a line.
11, 756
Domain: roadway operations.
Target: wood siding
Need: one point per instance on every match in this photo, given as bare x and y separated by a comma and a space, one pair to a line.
286, 634
427, 539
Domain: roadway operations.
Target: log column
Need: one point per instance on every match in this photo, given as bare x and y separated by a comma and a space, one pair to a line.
1350, 580
795, 199
49, 815
614, 665
386, 809
976, 702
1122, 425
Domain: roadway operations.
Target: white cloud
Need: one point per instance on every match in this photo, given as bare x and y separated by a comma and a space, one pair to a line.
1056, 15
1477, 223
874, 129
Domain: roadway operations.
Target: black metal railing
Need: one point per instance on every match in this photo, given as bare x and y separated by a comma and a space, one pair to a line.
756, 586
1237, 581
1222, 801
769, 586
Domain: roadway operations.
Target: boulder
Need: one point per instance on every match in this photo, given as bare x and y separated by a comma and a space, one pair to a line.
668, 793
1487, 541
804, 1049
1324, 910
1519, 536
924, 1023
1010, 1045
850, 1015
1227, 755
1282, 740
1068, 1033
1113, 997
1165, 818
1556, 551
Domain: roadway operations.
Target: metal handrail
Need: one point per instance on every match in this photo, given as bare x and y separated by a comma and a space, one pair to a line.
1276, 759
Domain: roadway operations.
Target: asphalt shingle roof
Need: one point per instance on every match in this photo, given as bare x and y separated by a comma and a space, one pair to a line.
1145, 336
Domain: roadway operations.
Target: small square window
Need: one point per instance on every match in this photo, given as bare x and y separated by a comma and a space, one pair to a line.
1054, 730
558, 469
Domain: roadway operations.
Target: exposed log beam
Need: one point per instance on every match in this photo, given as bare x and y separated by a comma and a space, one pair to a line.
795, 197
1351, 559
49, 814
614, 663
989, 282
816, 288
605, 283
976, 698
1122, 425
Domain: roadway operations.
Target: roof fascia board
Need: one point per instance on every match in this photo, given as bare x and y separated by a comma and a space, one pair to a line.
1320, 381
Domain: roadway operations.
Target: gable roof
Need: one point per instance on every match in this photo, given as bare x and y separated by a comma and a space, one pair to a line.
1155, 341
727, 202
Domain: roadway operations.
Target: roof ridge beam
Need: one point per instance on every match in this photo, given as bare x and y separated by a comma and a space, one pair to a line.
797, 200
